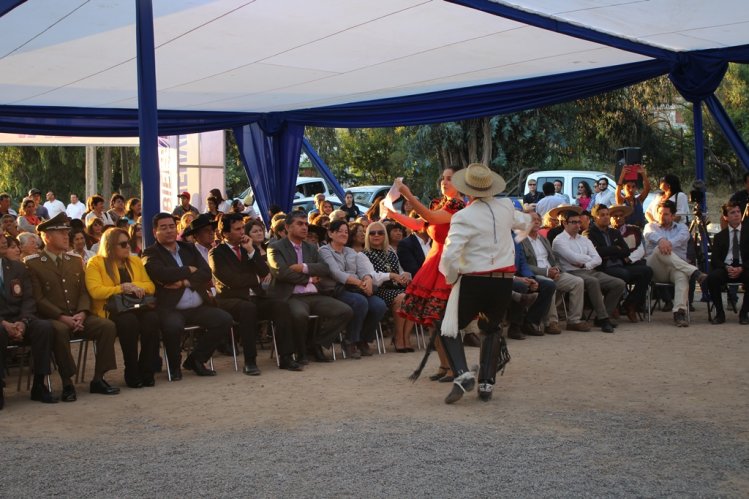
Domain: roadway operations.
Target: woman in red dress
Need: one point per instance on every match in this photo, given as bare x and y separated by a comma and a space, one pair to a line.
427, 294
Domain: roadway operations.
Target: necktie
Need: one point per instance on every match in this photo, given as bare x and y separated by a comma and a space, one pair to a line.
238, 252
735, 253
298, 249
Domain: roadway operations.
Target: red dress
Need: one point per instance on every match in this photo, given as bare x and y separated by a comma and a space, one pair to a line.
426, 296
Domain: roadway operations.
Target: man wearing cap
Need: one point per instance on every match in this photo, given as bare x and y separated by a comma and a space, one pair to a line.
41, 211
185, 206
58, 282
615, 261
479, 261
19, 324
183, 281
578, 256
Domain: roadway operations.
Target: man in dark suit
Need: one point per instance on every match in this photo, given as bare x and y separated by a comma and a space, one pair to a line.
614, 252
183, 279
296, 268
18, 324
237, 269
59, 284
730, 262
412, 250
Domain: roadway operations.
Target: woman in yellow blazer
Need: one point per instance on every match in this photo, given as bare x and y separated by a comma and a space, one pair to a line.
113, 271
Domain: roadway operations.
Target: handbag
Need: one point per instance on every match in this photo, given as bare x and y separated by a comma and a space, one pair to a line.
119, 303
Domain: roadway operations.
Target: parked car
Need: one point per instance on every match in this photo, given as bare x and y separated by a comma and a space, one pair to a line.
366, 194
570, 180
305, 187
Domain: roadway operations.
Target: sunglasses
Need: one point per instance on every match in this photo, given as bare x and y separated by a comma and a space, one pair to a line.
377, 233
531, 185
123, 244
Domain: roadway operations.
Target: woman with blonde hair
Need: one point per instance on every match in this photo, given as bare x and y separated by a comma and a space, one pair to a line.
391, 281
115, 271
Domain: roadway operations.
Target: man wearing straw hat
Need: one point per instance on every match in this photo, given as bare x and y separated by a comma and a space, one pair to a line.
479, 261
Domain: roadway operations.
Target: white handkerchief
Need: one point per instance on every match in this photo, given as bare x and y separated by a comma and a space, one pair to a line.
392, 196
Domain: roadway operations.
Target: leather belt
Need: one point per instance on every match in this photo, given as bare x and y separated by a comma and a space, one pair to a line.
496, 275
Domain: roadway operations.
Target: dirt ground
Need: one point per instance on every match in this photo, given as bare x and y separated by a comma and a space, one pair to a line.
697, 375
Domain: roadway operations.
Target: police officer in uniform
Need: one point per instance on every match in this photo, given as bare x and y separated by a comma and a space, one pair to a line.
60, 291
18, 324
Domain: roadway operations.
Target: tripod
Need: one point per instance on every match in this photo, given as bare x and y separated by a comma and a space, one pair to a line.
701, 238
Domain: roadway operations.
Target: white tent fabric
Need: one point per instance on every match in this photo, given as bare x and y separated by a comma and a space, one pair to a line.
281, 55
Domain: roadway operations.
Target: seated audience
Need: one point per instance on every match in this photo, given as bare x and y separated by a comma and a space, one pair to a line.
185, 207
28, 219
9, 225
356, 236
631, 234
133, 210
730, 252
530, 319
395, 233
61, 296
95, 205
29, 244
5, 208
350, 281
114, 271
183, 281
615, 261
297, 268
412, 250
14, 251
255, 229
666, 244
390, 280
317, 235
238, 269
135, 233
117, 207
670, 187
78, 246
41, 211
579, 257
94, 230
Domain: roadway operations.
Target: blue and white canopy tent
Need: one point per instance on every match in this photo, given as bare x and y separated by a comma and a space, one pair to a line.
267, 68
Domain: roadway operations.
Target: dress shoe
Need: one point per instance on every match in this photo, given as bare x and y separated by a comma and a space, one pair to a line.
699, 277
531, 329
631, 309
176, 374
718, 319
515, 333
319, 354
41, 394
680, 319
134, 383
251, 370
605, 325
288, 363
553, 328
193, 365
461, 385
471, 340
68, 394
303, 360
351, 351
364, 349
601, 322
102, 387
743, 318
485, 391
578, 326
149, 382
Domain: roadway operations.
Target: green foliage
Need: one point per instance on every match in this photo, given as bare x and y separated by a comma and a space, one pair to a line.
59, 169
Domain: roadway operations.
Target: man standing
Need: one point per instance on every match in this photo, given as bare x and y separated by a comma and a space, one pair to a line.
666, 242
75, 209
558, 186
41, 211
18, 324
185, 206
550, 200
729, 263
53, 205
296, 267
579, 257
533, 196
479, 261
60, 292
543, 264
238, 269
614, 254
603, 195
5, 208
182, 279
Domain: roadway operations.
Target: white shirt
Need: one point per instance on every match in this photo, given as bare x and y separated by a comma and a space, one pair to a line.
54, 208
425, 246
190, 298
682, 206
573, 252
105, 218
203, 251
75, 210
542, 256
606, 198
547, 203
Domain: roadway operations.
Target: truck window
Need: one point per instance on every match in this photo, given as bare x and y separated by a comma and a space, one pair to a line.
309, 189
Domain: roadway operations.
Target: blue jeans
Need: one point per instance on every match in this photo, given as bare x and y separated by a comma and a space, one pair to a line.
368, 310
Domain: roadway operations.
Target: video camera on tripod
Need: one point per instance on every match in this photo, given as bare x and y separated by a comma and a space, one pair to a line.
697, 198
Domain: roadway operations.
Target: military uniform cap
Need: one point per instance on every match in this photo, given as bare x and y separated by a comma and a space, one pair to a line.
58, 222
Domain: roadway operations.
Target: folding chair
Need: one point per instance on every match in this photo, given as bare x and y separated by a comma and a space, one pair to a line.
23, 354
189, 335
653, 303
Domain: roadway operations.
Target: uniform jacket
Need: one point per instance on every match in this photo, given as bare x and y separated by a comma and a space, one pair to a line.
471, 245
100, 286
16, 295
410, 254
234, 277
58, 291
163, 269
530, 255
281, 255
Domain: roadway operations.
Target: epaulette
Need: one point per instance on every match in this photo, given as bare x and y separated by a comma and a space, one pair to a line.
73, 254
30, 257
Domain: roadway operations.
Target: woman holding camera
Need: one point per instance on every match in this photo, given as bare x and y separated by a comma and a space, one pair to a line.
115, 271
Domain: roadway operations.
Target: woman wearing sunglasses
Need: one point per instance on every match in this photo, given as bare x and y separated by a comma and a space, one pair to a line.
113, 271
